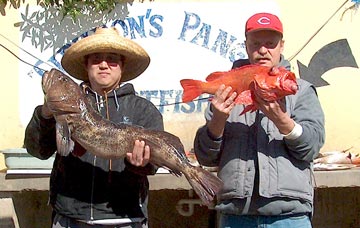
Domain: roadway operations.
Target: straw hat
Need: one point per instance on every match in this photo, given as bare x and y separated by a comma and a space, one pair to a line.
106, 40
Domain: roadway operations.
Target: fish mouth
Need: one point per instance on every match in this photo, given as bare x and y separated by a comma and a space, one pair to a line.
288, 83
46, 82
51, 78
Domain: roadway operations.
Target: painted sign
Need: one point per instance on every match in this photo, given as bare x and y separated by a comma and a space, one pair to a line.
188, 39
183, 40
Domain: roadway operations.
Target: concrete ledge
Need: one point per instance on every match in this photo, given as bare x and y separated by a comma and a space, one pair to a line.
328, 179
338, 178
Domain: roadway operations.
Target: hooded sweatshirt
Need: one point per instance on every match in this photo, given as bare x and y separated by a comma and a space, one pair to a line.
86, 187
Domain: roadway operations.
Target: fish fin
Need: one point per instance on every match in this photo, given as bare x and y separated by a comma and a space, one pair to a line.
245, 97
205, 184
274, 71
214, 76
219, 74
64, 143
192, 89
248, 108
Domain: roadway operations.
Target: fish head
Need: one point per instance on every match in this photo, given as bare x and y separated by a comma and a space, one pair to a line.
275, 84
287, 82
61, 92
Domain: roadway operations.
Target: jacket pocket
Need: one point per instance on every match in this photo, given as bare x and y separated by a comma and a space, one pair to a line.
294, 178
236, 169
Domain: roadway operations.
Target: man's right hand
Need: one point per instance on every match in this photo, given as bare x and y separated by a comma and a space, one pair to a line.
221, 104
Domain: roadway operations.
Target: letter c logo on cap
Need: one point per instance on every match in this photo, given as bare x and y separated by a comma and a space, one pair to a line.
264, 21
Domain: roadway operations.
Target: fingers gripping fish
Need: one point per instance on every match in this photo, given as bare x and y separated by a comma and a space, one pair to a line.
77, 120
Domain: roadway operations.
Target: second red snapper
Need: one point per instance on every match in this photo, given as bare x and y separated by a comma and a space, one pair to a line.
270, 83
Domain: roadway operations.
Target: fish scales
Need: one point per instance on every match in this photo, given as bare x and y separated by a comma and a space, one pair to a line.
270, 83
77, 121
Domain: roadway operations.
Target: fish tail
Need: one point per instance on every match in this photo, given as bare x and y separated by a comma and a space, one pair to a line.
205, 184
192, 89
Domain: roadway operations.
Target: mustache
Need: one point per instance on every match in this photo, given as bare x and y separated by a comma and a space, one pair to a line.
262, 57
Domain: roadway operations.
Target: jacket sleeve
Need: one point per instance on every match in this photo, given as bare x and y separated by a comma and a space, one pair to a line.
39, 138
309, 114
206, 147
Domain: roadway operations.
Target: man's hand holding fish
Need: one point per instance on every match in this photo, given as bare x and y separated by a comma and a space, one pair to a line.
140, 156
222, 104
275, 110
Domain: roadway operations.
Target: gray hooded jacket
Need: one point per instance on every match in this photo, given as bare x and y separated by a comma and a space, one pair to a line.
263, 172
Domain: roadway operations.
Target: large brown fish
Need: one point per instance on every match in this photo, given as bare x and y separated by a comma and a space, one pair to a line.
77, 120
270, 84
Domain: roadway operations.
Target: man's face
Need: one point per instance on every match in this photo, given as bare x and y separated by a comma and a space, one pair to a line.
264, 47
104, 71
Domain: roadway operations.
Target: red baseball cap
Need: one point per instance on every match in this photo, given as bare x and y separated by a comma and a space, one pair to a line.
263, 21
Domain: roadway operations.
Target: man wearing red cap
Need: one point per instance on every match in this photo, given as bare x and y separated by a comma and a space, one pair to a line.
264, 157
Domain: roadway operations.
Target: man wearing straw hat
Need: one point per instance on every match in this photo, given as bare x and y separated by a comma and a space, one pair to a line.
85, 190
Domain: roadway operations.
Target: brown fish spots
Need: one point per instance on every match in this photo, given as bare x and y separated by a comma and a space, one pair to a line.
77, 121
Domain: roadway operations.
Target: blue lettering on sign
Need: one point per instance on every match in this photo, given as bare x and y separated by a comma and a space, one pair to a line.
123, 26
199, 34
155, 23
136, 26
221, 43
170, 101
193, 31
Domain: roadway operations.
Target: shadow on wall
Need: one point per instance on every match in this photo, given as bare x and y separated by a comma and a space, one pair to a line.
333, 55
334, 208
32, 209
